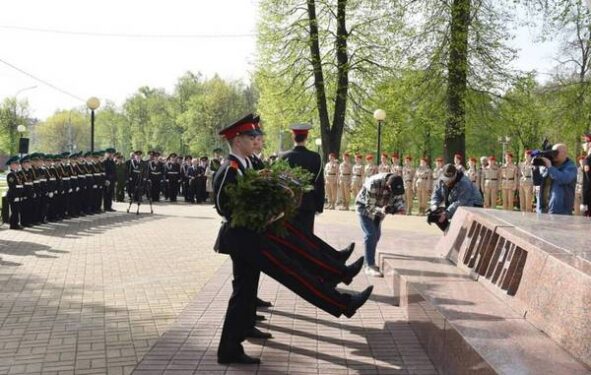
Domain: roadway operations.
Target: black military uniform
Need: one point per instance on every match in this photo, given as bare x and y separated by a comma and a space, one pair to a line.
201, 180
134, 176
155, 175
173, 170
300, 156
15, 192
251, 253
110, 179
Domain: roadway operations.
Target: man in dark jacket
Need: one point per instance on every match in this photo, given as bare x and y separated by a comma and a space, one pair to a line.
300, 156
586, 201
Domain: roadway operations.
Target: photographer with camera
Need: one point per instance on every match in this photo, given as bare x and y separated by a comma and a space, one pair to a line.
381, 194
454, 189
560, 173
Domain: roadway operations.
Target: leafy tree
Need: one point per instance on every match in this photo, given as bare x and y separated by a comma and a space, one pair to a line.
12, 114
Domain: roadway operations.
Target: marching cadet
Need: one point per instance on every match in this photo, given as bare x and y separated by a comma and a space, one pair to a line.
15, 192
491, 183
120, 171
357, 175
437, 172
579, 185
155, 175
458, 162
423, 184
249, 256
110, 171
345, 170
473, 173
172, 171
509, 173
331, 171
299, 156
370, 167
408, 177
395, 168
384, 166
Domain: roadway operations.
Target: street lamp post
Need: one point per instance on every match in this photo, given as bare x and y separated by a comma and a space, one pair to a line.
21, 129
15, 107
504, 140
318, 142
379, 115
92, 104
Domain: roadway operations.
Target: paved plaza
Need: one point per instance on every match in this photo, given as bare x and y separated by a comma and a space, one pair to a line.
118, 293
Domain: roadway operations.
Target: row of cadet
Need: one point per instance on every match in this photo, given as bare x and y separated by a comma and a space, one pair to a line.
44, 188
497, 183
157, 177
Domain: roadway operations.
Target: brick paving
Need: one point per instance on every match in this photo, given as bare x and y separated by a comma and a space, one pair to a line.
111, 293
377, 340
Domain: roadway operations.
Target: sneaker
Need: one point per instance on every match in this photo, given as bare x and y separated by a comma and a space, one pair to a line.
373, 271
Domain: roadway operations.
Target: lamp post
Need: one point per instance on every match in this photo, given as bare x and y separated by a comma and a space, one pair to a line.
318, 142
15, 107
379, 115
21, 129
504, 140
92, 104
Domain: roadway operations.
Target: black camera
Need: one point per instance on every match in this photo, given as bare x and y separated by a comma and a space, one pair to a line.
545, 152
433, 217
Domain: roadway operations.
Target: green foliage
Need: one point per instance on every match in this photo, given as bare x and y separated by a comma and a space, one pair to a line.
63, 131
12, 114
264, 200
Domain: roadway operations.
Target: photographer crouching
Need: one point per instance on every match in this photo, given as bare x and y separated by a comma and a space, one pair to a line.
560, 174
453, 190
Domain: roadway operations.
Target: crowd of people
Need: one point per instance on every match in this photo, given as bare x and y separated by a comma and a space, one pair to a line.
47, 188
508, 185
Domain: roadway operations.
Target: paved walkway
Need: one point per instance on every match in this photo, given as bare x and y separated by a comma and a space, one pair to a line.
106, 294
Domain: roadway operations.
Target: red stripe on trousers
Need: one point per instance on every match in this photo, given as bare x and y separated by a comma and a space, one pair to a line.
302, 236
303, 253
289, 271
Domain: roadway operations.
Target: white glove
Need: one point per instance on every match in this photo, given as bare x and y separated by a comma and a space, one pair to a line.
69, 191
584, 208
107, 183
50, 195
77, 189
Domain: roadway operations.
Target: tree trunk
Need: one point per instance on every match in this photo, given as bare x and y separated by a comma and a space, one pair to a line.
319, 79
331, 134
457, 66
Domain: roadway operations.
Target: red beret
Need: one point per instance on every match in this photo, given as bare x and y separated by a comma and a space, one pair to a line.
528, 152
492, 157
439, 158
395, 155
346, 154
369, 157
587, 138
408, 157
473, 159
458, 155
384, 155
332, 154
509, 154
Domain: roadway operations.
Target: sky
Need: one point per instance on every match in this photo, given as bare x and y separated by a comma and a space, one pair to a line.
217, 36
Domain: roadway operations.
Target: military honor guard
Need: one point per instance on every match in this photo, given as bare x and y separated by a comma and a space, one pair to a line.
331, 177
110, 171
491, 183
408, 177
345, 171
509, 173
437, 172
370, 167
395, 167
358, 175
312, 202
15, 194
423, 184
384, 166
472, 172
172, 172
121, 173
250, 254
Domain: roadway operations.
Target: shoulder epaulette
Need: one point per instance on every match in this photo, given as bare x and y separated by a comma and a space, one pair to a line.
234, 164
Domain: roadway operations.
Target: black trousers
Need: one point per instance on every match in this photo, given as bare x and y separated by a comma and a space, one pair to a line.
108, 195
272, 260
15, 210
155, 190
173, 189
